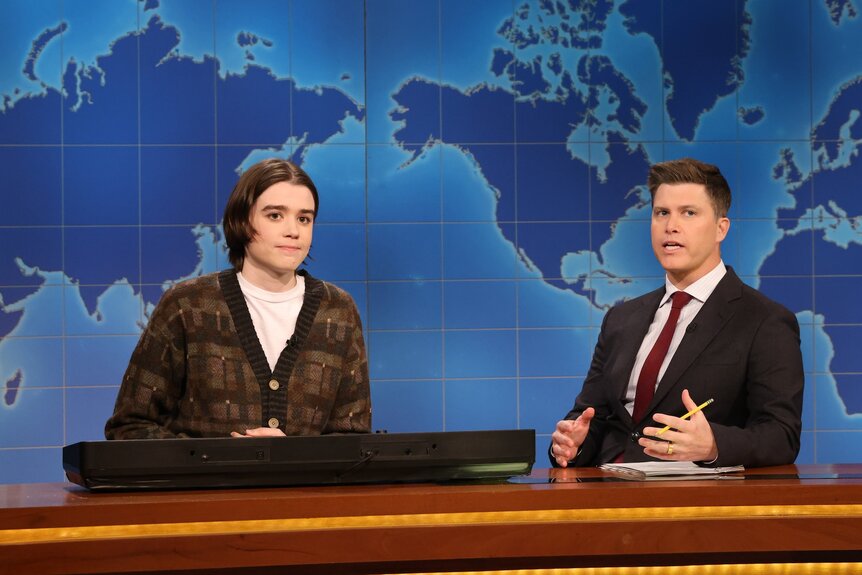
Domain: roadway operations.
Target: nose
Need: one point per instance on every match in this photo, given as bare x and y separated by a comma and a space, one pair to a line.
291, 228
671, 222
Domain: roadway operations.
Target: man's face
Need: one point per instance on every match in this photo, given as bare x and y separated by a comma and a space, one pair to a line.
686, 232
283, 219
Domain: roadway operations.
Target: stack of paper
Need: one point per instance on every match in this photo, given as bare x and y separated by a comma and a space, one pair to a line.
670, 470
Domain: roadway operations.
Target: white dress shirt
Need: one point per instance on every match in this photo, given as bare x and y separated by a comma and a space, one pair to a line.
700, 291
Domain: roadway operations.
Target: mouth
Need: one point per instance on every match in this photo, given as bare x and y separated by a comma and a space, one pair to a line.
671, 246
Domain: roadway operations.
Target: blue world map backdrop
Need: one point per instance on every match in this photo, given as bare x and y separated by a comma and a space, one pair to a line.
481, 168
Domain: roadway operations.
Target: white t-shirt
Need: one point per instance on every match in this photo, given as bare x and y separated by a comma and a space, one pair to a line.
273, 315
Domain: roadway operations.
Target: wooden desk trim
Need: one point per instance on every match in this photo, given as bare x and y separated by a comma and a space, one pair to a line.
557, 516
60, 529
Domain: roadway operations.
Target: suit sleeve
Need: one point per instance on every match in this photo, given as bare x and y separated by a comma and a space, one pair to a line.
774, 385
593, 394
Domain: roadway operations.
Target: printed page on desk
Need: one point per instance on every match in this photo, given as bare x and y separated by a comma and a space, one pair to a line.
670, 470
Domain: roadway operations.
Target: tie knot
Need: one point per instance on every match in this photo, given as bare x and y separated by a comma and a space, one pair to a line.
680, 299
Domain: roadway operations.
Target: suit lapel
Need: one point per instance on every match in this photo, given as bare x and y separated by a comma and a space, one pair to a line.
636, 326
708, 322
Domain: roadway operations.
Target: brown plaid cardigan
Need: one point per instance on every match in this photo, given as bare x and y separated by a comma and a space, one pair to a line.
199, 369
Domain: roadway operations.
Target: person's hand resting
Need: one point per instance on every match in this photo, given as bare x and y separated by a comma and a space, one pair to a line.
259, 432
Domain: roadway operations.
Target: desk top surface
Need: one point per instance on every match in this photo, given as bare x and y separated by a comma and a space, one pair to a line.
66, 504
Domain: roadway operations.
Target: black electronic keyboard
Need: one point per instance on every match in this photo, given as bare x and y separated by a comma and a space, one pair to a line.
306, 460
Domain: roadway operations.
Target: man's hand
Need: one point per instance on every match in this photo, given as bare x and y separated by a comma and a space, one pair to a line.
569, 436
686, 440
259, 432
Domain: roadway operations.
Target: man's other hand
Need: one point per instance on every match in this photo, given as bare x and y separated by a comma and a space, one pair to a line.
569, 436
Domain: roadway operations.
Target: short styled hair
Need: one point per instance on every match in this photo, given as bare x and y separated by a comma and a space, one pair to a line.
691, 171
238, 231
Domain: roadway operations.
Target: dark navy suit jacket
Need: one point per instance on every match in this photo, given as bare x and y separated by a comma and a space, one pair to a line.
742, 349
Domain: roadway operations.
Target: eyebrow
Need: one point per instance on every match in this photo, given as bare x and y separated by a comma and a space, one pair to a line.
685, 207
282, 208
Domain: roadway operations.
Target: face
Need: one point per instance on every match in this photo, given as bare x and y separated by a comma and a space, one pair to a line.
686, 232
283, 219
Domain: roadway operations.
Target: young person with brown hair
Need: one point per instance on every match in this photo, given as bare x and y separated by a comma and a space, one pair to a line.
258, 350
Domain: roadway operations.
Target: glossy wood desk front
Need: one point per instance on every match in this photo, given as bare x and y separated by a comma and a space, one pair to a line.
564, 519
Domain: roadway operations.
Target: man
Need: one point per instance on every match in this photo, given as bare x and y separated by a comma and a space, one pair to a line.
258, 350
660, 355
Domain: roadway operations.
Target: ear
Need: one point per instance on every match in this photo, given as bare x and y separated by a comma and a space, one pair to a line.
721, 229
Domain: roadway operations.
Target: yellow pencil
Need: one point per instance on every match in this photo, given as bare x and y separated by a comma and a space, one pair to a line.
687, 415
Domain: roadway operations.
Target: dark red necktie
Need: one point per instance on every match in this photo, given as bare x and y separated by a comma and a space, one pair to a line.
649, 372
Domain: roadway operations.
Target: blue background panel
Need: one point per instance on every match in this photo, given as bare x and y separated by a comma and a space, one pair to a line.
480, 353
254, 107
32, 186
115, 309
838, 400
178, 185
480, 304
34, 465
42, 368
837, 299
481, 168
838, 447
118, 249
483, 115
87, 407
541, 304
478, 251
838, 249
41, 312
167, 253
476, 404
478, 183
407, 406
405, 305
552, 185
807, 449
397, 194
341, 192
840, 350
101, 186
795, 293
544, 401
404, 251
177, 96
102, 98
547, 243
698, 59
389, 26
338, 252
555, 352
324, 48
36, 419
405, 354
23, 248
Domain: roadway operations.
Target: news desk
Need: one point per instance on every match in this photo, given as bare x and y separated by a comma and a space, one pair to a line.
793, 519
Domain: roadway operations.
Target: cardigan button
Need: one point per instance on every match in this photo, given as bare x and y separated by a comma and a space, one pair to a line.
274, 385
273, 422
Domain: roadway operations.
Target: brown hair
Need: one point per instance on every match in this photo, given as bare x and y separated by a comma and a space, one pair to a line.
691, 171
238, 231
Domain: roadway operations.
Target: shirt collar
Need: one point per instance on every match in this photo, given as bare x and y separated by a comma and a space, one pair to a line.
699, 290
